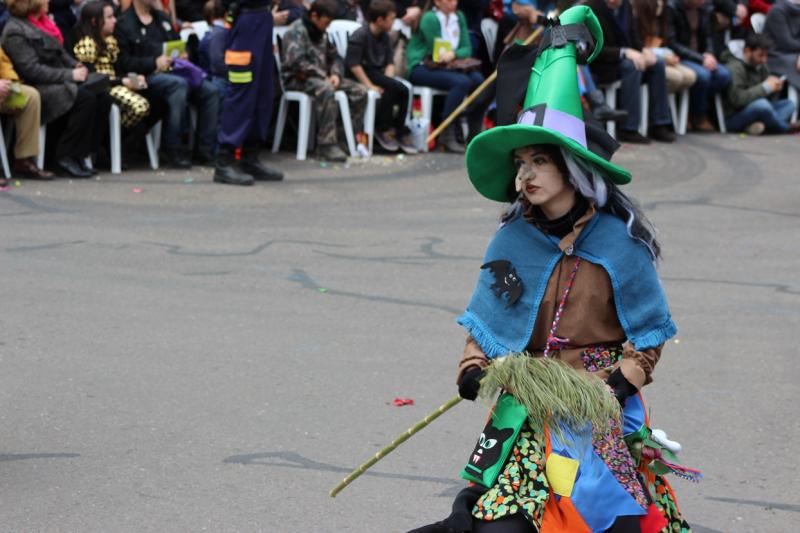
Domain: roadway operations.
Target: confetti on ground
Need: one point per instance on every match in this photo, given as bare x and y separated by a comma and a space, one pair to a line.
17, 184
322, 289
677, 341
400, 402
323, 165
401, 157
4, 188
189, 180
138, 190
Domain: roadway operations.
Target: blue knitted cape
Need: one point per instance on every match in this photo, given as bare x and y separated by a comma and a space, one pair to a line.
638, 297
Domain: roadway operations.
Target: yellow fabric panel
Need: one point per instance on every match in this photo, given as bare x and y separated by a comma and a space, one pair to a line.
561, 472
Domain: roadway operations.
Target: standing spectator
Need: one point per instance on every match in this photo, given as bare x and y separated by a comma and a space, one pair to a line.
98, 50
311, 64
26, 120
690, 38
369, 60
63, 15
189, 10
783, 29
748, 103
651, 23
444, 22
247, 108
77, 115
624, 58
141, 33
727, 22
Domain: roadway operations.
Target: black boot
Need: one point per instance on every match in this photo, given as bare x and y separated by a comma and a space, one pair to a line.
251, 165
601, 111
225, 170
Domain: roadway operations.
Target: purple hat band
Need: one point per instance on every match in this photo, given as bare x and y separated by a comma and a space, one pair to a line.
553, 119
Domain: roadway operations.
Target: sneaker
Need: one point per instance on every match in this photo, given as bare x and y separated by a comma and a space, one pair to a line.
633, 137
407, 145
702, 125
332, 152
387, 140
662, 134
756, 128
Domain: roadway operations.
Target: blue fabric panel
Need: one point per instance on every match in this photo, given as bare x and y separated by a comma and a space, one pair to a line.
597, 495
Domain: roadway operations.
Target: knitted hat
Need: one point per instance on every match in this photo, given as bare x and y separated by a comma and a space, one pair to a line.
551, 113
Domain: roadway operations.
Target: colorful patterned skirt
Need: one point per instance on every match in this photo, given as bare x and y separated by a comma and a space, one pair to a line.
584, 481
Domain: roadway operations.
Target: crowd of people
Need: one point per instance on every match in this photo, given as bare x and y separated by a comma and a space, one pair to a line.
65, 62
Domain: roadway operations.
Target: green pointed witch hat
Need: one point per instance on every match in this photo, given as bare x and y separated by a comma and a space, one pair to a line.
551, 113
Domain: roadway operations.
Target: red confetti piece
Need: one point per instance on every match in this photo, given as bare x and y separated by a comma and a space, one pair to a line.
400, 402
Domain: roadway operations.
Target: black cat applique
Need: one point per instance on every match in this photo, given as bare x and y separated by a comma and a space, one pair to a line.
506, 280
489, 447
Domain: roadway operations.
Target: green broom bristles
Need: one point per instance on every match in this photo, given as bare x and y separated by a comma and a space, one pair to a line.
552, 391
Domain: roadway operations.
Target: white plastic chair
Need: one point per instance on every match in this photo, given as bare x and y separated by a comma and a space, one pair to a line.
757, 21
339, 31
489, 31
680, 116
199, 28
793, 96
304, 120
720, 113
152, 139
610, 92
4, 154
369, 112
42, 137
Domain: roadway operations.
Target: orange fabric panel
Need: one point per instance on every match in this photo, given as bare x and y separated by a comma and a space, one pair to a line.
238, 59
562, 517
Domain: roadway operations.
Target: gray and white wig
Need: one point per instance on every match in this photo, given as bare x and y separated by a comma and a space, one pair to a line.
596, 187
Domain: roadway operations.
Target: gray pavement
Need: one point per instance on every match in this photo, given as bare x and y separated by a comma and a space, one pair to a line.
196, 357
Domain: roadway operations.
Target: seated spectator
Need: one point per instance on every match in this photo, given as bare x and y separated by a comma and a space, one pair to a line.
369, 60
190, 10
284, 12
689, 36
141, 33
520, 18
444, 22
212, 47
749, 100
651, 23
783, 29
77, 114
26, 113
727, 22
624, 58
311, 64
97, 48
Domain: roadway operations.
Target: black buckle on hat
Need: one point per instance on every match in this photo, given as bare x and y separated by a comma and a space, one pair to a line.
557, 36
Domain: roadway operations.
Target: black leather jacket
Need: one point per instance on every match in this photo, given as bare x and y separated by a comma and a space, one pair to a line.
679, 33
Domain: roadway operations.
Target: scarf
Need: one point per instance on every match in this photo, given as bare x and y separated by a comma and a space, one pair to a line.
43, 22
500, 328
561, 226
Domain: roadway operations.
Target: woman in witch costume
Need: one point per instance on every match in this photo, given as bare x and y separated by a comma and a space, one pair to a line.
569, 279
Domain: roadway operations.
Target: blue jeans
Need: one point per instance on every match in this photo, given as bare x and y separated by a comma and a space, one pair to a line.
708, 83
457, 84
175, 90
656, 80
774, 115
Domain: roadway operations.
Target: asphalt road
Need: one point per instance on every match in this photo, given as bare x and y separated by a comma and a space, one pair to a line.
182, 356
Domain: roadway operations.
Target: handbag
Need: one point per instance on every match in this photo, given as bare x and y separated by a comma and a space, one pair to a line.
97, 83
190, 72
463, 64
495, 442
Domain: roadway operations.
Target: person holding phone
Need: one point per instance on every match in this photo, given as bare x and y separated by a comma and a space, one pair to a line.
750, 103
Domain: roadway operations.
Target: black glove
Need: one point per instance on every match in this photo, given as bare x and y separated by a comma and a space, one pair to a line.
622, 388
470, 383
